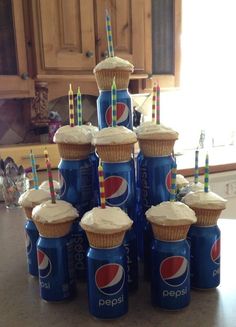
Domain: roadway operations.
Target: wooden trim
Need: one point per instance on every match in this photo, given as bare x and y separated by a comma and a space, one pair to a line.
148, 36
188, 172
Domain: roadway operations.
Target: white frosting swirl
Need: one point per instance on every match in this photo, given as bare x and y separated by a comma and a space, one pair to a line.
32, 197
153, 131
45, 186
181, 181
196, 187
114, 135
73, 135
205, 200
110, 219
171, 213
113, 63
53, 213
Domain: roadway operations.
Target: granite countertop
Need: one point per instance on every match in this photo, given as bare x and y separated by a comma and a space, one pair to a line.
20, 304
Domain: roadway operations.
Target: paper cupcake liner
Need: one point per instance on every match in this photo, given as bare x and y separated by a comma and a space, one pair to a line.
114, 152
105, 77
74, 151
53, 230
156, 148
206, 217
28, 212
170, 233
99, 240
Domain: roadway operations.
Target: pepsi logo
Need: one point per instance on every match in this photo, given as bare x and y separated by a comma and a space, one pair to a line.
110, 278
28, 243
122, 113
116, 190
215, 252
44, 264
174, 270
168, 181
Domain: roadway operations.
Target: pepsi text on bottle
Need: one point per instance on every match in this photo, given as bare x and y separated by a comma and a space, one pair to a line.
170, 277
205, 256
107, 282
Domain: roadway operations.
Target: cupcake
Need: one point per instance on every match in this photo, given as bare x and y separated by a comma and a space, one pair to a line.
105, 228
181, 181
170, 220
45, 186
54, 219
114, 144
73, 142
207, 206
156, 140
31, 198
112, 67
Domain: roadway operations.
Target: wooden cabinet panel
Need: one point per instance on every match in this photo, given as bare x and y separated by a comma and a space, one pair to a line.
131, 28
66, 34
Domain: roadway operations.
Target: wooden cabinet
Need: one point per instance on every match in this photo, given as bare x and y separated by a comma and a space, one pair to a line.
14, 75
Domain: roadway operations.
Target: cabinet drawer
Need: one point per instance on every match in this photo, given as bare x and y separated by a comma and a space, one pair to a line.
20, 154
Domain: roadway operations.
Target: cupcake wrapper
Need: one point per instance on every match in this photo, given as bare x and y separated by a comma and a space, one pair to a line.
105, 240
28, 212
170, 233
53, 230
114, 152
206, 217
156, 148
105, 77
74, 151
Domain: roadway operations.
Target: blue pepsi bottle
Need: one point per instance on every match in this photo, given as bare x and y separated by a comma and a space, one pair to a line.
56, 268
76, 180
131, 248
107, 282
170, 277
205, 256
139, 211
124, 109
31, 238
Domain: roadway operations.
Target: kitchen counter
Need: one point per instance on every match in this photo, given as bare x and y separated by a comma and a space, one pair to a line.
20, 304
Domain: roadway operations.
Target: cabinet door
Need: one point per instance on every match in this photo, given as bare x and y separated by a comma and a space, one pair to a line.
64, 35
14, 79
131, 30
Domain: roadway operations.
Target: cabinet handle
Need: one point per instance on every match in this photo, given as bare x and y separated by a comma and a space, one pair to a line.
89, 54
24, 76
104, 54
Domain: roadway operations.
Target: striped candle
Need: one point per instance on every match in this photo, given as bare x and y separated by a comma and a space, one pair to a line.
196, 169
34, 171
50, 180
173, 183
109, 35
79, 108
158, 105
113, 102
71, 107
206, 176
154, 94
101, 186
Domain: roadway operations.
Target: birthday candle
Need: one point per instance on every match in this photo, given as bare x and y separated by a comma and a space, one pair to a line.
101, 187
71, 107
158, 105
34, 171
113, 102
196, 170
154, 93
79, 108
50, 180
109, 35
206, 177
173, 183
